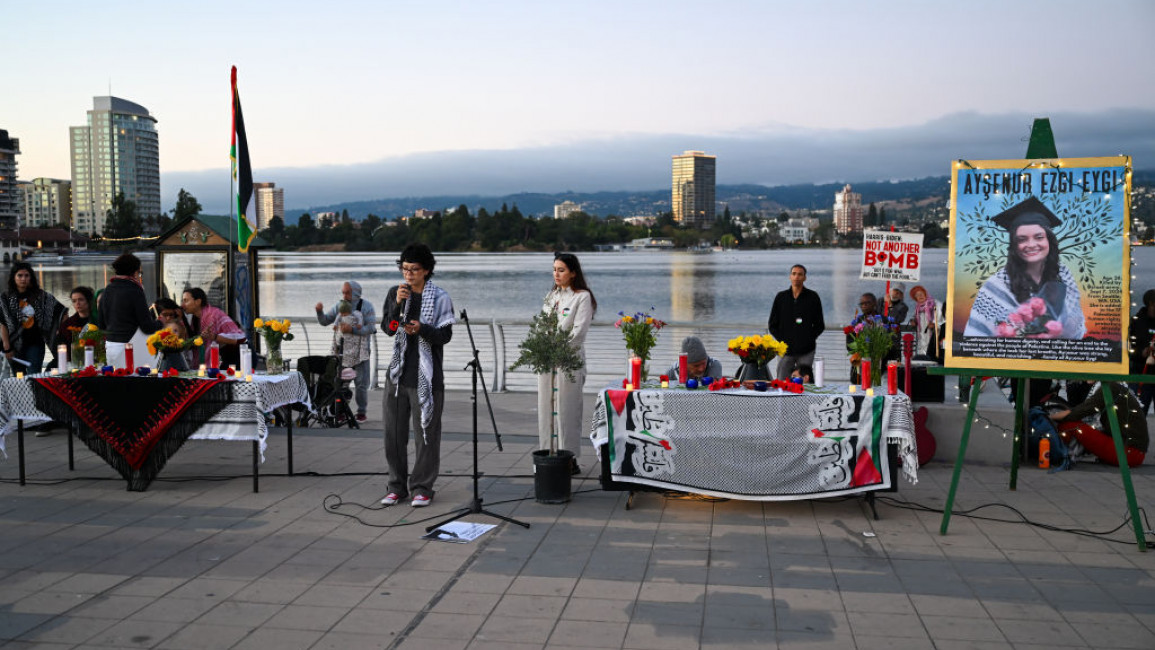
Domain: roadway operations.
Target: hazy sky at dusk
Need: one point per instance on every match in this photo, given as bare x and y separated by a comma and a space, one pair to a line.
355, 82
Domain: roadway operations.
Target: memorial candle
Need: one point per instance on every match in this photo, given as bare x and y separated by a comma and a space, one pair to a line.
636, 371
89, 356
214, 355
128, 360
683, 368
865, 369
819, 372
892, 378
62, 358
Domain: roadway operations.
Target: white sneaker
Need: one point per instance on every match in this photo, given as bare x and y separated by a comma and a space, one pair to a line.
420, 501
390, 499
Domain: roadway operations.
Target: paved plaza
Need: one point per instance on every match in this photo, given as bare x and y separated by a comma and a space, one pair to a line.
199, 562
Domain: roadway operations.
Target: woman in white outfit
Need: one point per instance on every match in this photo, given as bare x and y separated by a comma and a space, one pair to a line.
575, 305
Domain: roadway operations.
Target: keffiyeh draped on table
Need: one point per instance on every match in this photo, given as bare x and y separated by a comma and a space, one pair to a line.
436, 311
759, 446
134, 423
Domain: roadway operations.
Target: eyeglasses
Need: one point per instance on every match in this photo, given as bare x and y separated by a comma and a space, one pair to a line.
411, 269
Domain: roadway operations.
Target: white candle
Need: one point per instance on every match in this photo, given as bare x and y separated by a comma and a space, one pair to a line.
62, 358
89, 356
248, 378
19, 375
852, 388
819, 372
870, 392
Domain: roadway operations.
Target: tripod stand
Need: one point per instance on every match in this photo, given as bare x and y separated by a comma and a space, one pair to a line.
474, 506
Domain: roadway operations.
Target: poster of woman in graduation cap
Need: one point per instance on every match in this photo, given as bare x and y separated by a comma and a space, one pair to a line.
1039, 265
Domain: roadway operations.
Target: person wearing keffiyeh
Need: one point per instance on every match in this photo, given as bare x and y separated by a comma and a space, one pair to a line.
29, 317
420, 315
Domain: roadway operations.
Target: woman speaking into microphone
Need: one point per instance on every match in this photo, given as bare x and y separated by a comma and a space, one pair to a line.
420, 315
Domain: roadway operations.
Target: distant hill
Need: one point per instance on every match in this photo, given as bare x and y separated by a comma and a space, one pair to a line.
740, 198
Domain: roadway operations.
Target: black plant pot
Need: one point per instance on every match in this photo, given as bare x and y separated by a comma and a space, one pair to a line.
551, 476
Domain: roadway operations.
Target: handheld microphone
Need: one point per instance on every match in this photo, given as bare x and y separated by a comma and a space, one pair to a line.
405, 307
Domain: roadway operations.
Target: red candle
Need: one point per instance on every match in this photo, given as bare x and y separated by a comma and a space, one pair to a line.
128, 357
214, 355
865, 370
636, 371
892, 378
683, 368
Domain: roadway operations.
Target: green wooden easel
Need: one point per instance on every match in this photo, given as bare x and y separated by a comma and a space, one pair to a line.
1042, 145
1022, 376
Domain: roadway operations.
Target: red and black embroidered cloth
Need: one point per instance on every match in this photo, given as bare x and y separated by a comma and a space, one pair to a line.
134, 423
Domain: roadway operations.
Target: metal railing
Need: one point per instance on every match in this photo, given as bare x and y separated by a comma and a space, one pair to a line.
606, 355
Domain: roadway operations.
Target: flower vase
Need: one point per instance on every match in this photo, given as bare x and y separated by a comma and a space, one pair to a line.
751, 371
274, 363
877, 366
172, 360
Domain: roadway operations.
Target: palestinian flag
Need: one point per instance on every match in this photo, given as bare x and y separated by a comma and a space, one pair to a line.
242, 173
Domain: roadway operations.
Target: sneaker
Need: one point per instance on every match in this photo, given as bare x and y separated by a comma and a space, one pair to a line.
390, 499
361, 417
420, 501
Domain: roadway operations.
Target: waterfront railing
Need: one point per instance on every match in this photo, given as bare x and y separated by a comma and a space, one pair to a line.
606, 355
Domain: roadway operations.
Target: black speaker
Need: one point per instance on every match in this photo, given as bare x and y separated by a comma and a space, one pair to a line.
923, 387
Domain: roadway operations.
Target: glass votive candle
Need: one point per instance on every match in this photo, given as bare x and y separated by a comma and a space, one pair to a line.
852, 389
870, 392
249, 378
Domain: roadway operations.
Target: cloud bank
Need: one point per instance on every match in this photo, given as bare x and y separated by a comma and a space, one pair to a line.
774, 156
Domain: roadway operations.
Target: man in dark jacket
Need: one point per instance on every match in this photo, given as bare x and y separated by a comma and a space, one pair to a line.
796, 319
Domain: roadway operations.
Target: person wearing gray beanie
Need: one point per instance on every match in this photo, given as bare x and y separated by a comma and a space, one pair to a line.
699, 363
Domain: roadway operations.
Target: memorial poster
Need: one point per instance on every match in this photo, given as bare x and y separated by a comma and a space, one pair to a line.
1039, 275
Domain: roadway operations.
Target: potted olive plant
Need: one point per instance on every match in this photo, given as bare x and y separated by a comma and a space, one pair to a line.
549, 350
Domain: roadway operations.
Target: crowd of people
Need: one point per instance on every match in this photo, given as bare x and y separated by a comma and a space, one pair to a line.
419, 315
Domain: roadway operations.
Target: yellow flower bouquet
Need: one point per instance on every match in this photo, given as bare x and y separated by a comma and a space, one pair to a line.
759, 349
273, 332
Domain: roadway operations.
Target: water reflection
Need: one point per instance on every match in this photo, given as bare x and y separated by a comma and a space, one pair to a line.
691, 289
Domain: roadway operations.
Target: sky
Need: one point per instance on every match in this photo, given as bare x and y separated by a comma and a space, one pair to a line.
388, 98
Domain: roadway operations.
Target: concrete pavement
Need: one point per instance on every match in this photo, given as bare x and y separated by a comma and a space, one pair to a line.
201, 563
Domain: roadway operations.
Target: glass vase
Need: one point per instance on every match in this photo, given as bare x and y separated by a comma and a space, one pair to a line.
274, 362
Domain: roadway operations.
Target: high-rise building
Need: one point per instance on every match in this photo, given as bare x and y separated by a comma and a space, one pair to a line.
117, 151
565, 209
693, 189
270, 202
847, 211
47, 202
9, 196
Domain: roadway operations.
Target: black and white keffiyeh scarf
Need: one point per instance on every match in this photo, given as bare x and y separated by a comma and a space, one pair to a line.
437, 311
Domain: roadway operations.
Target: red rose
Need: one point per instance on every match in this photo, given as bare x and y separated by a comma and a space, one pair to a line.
393, 325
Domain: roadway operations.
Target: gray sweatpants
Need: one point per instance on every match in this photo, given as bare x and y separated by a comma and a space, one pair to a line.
402, 411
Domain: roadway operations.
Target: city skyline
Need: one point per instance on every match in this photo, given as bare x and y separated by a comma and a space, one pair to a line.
460, 81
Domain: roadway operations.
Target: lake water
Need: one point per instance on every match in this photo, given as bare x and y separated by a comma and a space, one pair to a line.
735, 287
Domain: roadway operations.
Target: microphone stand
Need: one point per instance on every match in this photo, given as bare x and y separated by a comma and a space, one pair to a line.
474, 506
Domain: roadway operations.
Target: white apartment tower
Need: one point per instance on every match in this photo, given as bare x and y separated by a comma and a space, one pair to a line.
270, 202
565, 209
47, 202
692, 195
117, 151
847, 211
9, 196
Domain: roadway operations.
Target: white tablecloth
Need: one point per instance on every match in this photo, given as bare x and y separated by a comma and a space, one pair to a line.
242, 419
